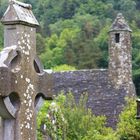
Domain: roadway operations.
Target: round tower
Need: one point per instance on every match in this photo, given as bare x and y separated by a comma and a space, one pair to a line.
120, 65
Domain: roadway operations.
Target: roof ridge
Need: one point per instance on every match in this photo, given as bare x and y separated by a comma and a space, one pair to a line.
24, 5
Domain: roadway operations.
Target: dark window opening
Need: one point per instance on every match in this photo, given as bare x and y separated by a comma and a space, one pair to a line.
117, 37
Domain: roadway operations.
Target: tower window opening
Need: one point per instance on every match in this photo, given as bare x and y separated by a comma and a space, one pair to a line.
117, 37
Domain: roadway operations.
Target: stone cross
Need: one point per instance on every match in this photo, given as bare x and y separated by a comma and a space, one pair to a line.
23, 82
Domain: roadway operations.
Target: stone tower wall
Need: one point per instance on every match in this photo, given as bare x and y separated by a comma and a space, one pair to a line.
120, 59
120, 65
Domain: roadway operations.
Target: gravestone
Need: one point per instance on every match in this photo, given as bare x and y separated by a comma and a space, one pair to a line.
24, 84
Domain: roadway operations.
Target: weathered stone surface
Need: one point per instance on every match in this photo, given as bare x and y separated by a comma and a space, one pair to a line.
18, 13
1, 128
103, 97
120, 59
22, 78
120, 24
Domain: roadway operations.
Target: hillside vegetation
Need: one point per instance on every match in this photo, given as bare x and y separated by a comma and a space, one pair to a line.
75, 32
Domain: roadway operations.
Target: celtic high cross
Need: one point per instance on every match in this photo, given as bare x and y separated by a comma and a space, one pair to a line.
23, 82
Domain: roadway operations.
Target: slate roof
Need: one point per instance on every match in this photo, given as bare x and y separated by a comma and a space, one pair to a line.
120, 24
103, 97
18, 12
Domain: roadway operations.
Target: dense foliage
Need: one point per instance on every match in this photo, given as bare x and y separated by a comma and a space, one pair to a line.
64, 119
63, 68
75, 32
129, 127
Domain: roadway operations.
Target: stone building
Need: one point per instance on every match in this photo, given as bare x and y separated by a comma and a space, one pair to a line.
106, 88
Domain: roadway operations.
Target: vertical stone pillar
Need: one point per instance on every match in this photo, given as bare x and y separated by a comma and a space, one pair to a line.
23, 82
120, 64
0, 128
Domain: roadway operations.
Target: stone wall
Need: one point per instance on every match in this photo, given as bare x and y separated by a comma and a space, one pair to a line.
120, 65
103, 97
1, 128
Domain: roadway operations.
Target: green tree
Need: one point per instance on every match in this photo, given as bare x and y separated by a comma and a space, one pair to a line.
101, 41
73, 121
136, 55
64, 68
128, 127
40, 44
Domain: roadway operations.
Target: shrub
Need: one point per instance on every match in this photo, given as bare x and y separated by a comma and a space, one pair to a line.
128, 127
67, 119
64, 68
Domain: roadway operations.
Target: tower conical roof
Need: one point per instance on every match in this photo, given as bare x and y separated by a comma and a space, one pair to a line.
120, 24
